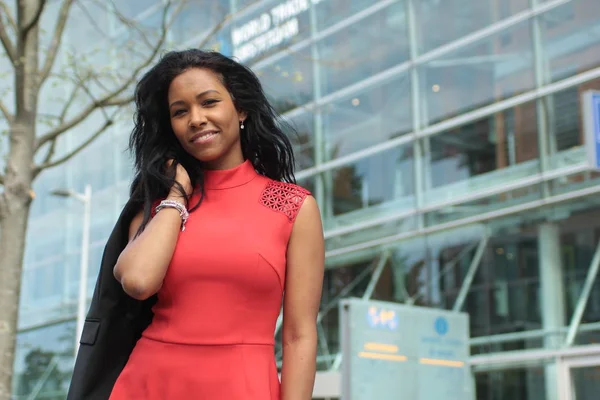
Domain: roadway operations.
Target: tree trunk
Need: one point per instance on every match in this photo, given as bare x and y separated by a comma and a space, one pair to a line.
12, 243
16, 198
14, 212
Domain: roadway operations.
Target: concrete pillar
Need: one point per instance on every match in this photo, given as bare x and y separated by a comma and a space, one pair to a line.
552, 295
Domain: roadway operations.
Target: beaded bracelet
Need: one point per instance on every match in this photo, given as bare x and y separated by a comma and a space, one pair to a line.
183, 212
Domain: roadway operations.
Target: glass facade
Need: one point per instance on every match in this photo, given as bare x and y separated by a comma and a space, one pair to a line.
444, 142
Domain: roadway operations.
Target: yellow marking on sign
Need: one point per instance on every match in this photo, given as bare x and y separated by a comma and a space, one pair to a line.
377, 356
443, 363
385, 348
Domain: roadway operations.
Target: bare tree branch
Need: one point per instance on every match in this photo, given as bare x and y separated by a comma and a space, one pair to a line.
35, 19
221, 24
56, 39
131, 24
93, 98
5, 112
70, 100
49, 164
91, 19
50, 153
81, 85
214, 30
75, 121
9, 47
9, 18
111, 7
109, 99
119, 102
98, 81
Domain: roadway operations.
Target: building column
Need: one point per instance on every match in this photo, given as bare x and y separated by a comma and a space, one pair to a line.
552, 298
398, 268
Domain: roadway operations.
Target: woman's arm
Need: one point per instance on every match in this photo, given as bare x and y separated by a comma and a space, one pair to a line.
143, 263
303, 285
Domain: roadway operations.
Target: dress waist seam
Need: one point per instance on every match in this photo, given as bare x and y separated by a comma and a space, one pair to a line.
208, 344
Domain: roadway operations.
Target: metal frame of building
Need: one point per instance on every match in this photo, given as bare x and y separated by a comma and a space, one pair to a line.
565, 357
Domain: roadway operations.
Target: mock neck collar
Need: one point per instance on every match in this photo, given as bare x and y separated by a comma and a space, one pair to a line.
229, 178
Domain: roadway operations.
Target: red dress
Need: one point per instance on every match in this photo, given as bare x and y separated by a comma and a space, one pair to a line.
212, 336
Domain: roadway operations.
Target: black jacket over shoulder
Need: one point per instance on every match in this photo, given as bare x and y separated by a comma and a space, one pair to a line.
113, 325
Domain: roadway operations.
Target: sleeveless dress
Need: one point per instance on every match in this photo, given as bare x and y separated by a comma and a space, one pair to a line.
212, 335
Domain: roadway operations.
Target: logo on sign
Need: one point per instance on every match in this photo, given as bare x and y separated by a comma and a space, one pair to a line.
441, 326
381, 318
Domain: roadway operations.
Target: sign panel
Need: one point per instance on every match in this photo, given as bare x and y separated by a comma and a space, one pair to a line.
272, 28
591, 118
394, 351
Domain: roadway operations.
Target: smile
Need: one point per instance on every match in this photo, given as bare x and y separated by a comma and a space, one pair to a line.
203, 137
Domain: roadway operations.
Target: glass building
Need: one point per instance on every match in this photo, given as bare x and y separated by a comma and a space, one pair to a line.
444, 141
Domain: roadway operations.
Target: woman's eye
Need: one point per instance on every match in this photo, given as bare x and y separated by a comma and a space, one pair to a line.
210, 102
178, 112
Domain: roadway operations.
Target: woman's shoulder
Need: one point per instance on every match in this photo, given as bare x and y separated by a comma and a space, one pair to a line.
285, 188
284, 197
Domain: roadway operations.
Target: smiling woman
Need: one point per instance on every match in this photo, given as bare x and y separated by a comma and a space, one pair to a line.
219, 233
205, 120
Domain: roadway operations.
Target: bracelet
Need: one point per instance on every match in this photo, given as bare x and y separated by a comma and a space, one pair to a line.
183, 212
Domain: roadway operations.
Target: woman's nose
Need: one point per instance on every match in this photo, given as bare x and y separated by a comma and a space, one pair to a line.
197, 118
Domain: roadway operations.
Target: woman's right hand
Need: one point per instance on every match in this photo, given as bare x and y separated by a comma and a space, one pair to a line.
142, 265
183, 178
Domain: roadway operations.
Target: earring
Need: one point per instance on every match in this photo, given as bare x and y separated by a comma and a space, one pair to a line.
242, 126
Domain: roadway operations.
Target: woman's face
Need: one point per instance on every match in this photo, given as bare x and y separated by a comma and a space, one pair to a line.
204, 118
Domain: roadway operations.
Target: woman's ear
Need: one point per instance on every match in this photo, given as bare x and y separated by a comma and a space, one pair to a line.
242, 115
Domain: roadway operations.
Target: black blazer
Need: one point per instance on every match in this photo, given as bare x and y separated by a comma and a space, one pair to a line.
113, 325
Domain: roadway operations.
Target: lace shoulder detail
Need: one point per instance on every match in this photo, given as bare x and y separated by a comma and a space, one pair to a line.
284, 197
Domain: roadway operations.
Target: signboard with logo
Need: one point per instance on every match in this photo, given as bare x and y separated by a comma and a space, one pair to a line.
591, 118
394, 351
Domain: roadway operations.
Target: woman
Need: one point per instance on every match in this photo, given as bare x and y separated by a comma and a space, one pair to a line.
219, 238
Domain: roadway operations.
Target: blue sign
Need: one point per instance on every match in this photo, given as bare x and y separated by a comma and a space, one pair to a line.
394, 351
441, 326
591, 115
